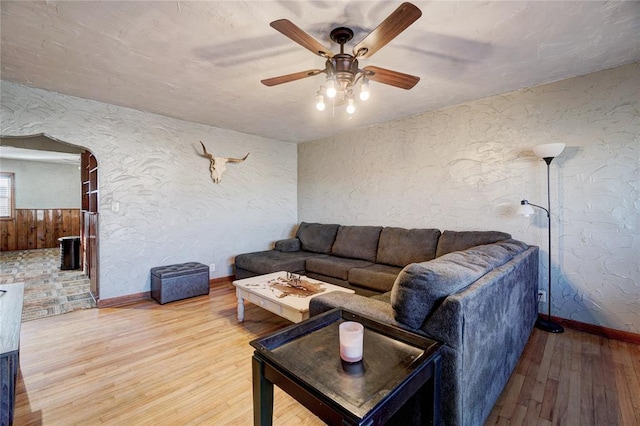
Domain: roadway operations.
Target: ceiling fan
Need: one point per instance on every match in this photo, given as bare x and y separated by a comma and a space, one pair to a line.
341, 69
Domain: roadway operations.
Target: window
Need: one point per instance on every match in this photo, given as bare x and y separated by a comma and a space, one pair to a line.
6, 196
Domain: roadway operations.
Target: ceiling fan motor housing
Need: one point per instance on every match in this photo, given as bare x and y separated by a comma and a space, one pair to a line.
344, 68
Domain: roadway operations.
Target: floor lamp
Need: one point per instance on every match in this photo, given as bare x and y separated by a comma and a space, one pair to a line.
547, 152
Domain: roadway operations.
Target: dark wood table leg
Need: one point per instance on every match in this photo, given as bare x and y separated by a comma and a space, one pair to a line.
262, 395
434, 392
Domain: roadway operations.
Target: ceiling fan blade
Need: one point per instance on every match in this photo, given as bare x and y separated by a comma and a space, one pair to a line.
405, 15
392, 78
292, 31
289, 77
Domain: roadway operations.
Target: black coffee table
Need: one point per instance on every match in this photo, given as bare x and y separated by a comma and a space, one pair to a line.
399, 370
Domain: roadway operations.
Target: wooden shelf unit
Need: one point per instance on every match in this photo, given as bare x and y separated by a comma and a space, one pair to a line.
89, 237
89, 183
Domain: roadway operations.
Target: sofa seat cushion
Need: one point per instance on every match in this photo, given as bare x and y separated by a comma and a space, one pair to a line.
332, 266
357, 242
420, 287
266, 262
451, 241
317, 237
383, 297
400, 247
375, 277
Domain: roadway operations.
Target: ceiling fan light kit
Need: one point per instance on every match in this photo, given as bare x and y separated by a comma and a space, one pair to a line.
344, 77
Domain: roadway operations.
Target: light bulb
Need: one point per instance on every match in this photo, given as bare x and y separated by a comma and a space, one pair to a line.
350, 107
320, 103
331, 88
364, 92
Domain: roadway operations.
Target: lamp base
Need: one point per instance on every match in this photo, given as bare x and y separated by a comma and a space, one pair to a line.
549, 326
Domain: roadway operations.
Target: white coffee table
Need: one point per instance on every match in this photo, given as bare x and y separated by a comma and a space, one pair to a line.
258, 291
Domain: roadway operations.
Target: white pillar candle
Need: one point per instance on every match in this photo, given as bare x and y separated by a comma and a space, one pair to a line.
351, 340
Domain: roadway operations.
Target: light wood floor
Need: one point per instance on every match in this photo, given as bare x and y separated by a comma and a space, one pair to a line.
188, 362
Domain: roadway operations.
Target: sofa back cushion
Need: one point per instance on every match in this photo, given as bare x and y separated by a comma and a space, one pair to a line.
400, 247
316, 237
357, 242
451, 241
421, 287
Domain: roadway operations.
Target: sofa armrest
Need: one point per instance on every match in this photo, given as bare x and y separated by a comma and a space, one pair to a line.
485, 328
288, 245
361, 305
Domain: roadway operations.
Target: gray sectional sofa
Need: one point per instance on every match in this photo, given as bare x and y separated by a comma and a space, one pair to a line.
366, 259
474, 291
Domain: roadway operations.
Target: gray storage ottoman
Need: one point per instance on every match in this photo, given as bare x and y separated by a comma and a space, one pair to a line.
175, 282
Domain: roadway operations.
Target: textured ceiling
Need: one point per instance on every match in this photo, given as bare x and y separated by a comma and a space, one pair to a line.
203, 61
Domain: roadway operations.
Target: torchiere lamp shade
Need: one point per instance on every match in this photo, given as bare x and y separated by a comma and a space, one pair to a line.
549, 150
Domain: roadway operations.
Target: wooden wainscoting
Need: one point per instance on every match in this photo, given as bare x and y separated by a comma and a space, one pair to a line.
38, 228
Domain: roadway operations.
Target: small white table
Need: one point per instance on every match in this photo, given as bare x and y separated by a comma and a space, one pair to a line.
258, 291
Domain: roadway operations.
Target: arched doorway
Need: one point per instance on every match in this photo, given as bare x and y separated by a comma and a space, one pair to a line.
43, 227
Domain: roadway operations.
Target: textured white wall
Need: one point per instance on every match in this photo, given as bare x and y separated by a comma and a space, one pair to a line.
169, 209
467, 167
40, 185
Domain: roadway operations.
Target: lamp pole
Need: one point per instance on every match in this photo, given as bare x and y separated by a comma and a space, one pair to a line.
549, 325
547, 152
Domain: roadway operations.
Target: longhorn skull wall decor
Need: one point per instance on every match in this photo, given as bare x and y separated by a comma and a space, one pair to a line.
218, 165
